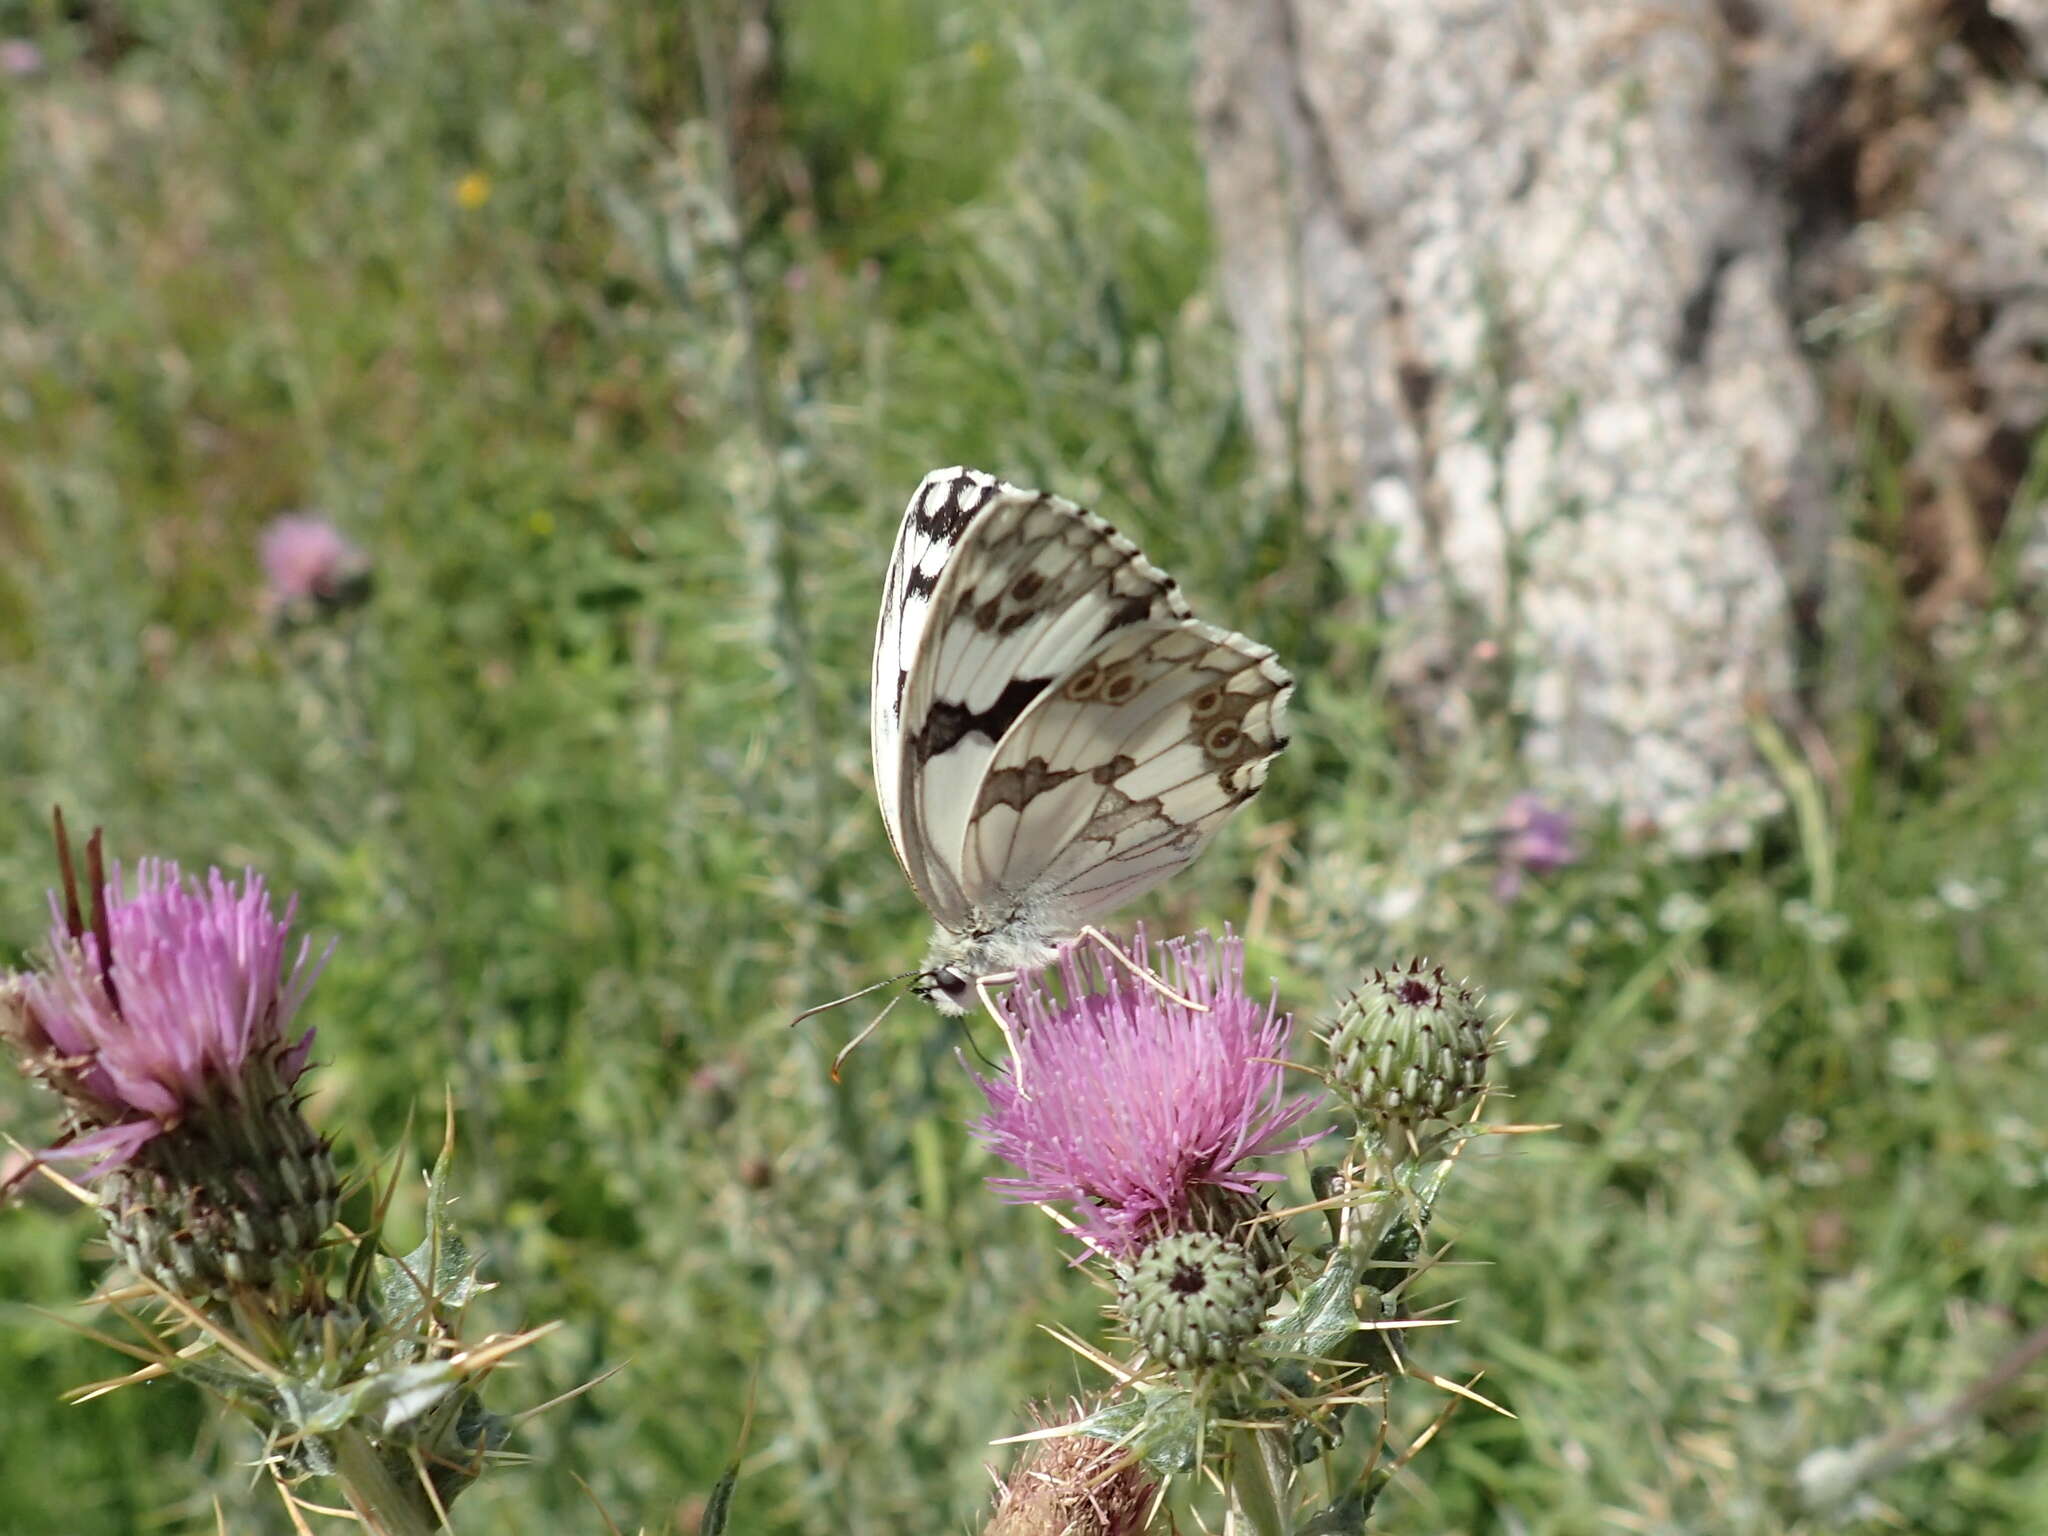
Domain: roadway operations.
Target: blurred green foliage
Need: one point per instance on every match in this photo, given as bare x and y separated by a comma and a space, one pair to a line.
582, 794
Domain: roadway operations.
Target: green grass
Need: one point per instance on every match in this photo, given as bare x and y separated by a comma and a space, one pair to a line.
582, 795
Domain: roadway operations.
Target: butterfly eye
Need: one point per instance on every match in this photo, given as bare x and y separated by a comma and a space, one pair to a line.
1207, 702
1084, 684
1119, 687
1222, 740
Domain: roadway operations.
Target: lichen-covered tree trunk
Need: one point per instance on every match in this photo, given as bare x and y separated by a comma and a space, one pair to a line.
1531, 289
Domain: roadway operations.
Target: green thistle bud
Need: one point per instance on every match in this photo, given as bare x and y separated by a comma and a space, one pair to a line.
1194, 1299
1234, 1215
1408, 1047
236, 1194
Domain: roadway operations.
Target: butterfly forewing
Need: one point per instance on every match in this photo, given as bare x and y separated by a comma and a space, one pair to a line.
993, 595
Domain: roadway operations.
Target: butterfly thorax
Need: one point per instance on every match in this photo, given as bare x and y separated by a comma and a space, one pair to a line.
992, 942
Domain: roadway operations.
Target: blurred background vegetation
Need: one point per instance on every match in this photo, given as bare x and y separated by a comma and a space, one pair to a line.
625, 425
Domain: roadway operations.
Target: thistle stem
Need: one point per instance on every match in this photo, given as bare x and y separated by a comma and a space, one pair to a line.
1401, 1191
1259, 1476
385, 1505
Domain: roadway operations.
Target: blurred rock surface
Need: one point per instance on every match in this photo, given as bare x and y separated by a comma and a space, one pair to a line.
1554, 298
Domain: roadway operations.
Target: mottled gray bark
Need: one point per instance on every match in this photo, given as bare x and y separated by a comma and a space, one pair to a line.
1531, 287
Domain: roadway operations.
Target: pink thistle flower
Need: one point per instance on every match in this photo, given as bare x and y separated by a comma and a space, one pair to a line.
1533, 837
20, 58
164, 1022
163, 1005
309, 563
1134, 1105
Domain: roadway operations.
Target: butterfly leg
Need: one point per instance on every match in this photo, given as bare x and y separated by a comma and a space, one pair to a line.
1151, 978
984, 989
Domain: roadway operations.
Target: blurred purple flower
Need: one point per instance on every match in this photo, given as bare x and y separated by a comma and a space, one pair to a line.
308, 562
167, 1002
1133, 1103
1533, 837
20, 58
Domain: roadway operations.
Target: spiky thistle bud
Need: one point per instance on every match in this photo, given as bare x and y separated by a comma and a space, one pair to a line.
241, 1189
1074, 1485
1194, 1299
1241, 1219
1409, 1046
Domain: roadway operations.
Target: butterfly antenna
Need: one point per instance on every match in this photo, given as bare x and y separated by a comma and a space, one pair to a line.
847, 1049
886, 981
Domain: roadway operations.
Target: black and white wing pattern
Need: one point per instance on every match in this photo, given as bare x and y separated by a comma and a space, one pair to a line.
993, 594
1053, 731
1118, 776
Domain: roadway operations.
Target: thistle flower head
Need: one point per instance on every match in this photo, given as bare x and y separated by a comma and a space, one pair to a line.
309, 564
20, 58
164, 1024
1534, 838
163, 1004
1075, 1485
1132, 1105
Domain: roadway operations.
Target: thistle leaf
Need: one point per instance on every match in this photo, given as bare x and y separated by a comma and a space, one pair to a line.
1161, 1424
718, 1507
395, 1396
442, 1264
1346, 1517
310, 1408
1326, 1317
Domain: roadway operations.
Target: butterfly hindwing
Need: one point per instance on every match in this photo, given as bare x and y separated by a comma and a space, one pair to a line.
1117, 776
993, 595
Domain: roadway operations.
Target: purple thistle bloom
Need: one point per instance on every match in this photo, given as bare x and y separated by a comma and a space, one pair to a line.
1134, 1103
310, 563
1534, 838
20, 58
161, 1018
163, 1006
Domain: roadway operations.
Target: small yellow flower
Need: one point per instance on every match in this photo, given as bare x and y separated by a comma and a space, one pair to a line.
980, 55
473, 191
540, 522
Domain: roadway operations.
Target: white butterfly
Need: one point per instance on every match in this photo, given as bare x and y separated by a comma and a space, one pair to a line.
1054, 732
